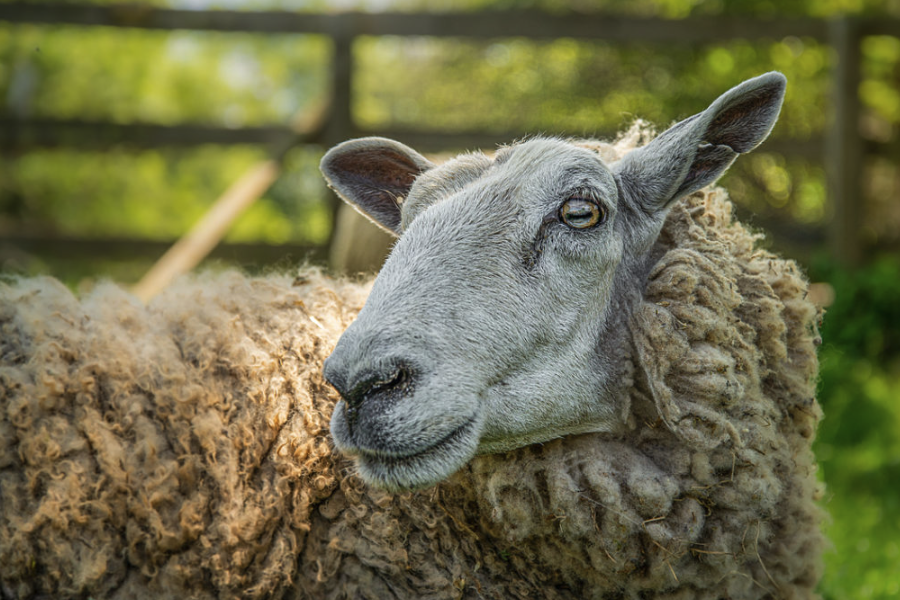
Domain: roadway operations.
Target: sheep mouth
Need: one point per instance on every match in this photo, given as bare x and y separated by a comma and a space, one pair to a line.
424, 468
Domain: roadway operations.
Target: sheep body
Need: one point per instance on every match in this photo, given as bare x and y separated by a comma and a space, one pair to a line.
173, 442
181, 450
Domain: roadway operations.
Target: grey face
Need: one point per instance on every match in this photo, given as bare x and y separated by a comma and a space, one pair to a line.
500, 317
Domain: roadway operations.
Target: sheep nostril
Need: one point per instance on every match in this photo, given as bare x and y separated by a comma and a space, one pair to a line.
396, 380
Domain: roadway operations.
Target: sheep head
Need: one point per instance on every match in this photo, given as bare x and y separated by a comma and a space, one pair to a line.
500, 318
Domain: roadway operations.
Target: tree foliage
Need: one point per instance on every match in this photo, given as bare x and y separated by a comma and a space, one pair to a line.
558, 86
858, 445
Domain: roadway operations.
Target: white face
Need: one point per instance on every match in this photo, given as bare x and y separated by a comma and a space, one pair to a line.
501, 317
481, 331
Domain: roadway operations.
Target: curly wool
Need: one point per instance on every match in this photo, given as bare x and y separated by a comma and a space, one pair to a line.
181, 450
175, 450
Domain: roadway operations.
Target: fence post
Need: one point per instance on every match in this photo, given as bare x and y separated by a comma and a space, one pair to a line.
339, 125
844, 151
340, 121
355, 244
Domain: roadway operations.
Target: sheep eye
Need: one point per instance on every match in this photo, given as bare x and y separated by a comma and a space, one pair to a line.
579, 213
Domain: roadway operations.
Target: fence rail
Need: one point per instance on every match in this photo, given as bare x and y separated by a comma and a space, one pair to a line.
23, 134
841, 149
492, 24
66, 247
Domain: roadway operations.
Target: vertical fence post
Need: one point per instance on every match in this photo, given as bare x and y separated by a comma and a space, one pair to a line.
355, 244
339, 126
340, 122
844, 153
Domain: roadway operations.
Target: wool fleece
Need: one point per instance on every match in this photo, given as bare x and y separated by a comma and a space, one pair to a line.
181, 449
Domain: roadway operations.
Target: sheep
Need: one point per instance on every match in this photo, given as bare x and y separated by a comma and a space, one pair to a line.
181, 449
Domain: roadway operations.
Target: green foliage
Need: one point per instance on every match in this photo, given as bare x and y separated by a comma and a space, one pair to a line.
149, 194
865, 318
858, 443
160, 77
156, 195
559, 86
881, 68
573, 86
123, 76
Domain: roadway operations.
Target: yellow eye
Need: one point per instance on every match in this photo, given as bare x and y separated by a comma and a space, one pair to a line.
579, 213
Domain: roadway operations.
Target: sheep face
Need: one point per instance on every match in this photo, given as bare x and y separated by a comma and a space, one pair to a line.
449, 347
500, 317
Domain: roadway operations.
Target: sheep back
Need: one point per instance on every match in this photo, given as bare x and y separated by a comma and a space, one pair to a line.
174, 450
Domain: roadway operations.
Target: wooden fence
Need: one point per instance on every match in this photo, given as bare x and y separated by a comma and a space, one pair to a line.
841, 150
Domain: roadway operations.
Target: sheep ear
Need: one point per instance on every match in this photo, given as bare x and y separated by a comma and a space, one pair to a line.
695, 152
374, 176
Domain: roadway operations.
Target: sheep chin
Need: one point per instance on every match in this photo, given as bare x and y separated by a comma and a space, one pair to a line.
423, 469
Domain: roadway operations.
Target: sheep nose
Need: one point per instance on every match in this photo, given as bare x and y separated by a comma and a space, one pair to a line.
390, 379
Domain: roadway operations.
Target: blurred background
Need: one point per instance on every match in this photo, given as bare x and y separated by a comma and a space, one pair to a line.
125, 127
